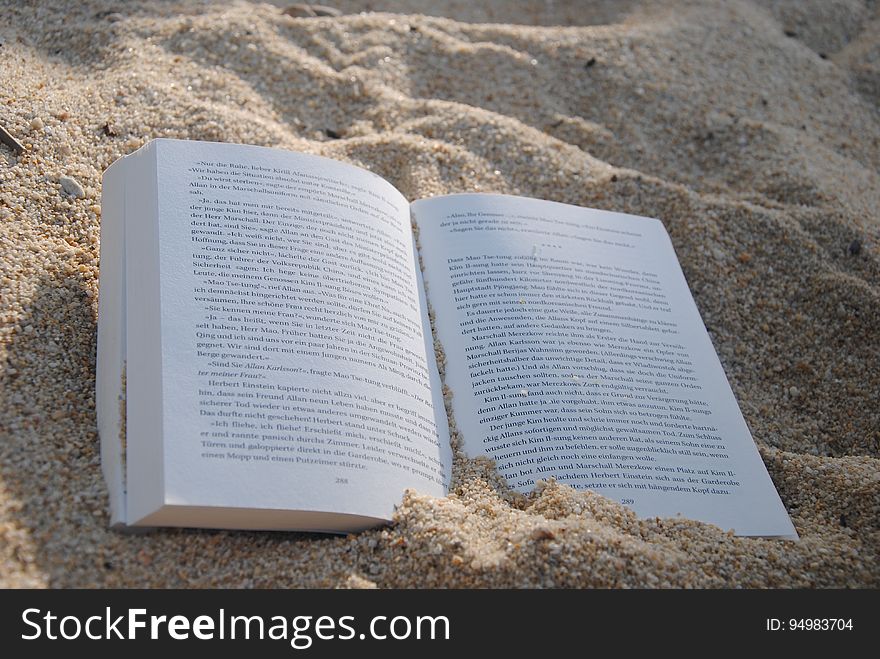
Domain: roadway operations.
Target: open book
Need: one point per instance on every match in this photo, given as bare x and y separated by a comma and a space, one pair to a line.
266, 358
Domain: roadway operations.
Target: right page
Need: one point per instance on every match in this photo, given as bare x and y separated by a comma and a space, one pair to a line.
574, 350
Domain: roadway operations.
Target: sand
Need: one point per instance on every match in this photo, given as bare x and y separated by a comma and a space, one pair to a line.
750, 128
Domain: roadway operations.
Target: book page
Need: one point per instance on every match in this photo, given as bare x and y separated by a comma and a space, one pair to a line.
575, 351
296, 373
110, 357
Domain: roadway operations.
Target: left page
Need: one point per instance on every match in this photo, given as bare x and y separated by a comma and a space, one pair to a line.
294, 369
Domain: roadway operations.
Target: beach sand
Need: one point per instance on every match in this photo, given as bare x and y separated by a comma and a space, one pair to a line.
750, 128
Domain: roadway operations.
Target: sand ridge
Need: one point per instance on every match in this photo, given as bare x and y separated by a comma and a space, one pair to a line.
750, 128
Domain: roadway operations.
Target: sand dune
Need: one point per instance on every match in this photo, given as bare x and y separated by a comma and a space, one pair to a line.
751, 129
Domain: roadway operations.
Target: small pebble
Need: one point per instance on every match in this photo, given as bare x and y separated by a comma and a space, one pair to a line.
37, 123
542, 534
308, 10
71, 187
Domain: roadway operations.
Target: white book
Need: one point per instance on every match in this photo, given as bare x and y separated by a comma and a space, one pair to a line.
266, 357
